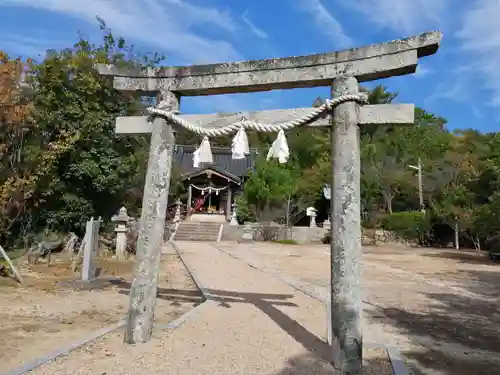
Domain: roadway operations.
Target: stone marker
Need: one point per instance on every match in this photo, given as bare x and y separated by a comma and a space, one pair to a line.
90, 249
343, 71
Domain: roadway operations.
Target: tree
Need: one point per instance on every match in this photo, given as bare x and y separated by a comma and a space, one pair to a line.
269, 186
61, 161
72, 98
17, 178
487, 222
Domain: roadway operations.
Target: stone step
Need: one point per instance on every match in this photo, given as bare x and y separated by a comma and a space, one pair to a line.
189, 227
194, 226
200, 223
204, 239
197, 231
195, 238
183, 233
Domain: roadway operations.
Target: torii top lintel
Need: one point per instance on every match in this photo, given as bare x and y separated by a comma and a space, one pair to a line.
376, 61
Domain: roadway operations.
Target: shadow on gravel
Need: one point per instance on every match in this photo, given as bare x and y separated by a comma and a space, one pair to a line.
453, 319
458, 334
438, 362
472, 257
174, 295
309, 365
318, 359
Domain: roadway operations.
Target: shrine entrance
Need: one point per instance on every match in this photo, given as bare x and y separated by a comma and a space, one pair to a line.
344, 113
210, 194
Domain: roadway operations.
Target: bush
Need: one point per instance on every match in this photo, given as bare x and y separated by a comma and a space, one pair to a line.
267, 232
327, 239
408, 225
243, 212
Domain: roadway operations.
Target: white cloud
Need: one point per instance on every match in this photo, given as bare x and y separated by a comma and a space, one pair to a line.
326, 22
254, 29
450, 90
479, 36
401, 15
162, 24
477, 113
422, 71
29, 46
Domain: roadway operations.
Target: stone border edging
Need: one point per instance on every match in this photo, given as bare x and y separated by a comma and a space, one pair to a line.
65, 350
98, 334
204, 291
397, 361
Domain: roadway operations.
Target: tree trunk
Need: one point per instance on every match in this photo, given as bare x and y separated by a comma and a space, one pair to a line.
477, 242
457, 232
388, 201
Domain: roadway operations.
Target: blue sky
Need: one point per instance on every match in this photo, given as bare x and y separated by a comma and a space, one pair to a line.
461, 82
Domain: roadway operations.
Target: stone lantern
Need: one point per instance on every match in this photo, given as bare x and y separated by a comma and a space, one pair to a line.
177, 216
234, 218
121, 229
311, 212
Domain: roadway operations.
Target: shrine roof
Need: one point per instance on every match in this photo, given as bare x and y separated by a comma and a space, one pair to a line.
208, 171
223, 161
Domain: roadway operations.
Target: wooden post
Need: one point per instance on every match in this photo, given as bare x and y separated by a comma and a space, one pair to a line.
140, 317
190, 197
11, 265
229, 202
346, 249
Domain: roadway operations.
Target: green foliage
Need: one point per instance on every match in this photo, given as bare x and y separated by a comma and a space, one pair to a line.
409, 225
487, 221
243, 210
71, 164
94, 176
268, 188
286, 242
62, 163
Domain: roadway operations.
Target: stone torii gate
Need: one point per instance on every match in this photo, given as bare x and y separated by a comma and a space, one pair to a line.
343, 71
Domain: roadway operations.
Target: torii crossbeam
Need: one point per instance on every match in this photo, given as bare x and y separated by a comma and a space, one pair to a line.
342, 71
398, 114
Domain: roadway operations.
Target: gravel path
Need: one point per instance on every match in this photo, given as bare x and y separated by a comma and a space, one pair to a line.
442, 314
252, 324
35, 323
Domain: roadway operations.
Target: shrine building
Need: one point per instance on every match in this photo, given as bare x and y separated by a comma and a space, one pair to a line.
212, 187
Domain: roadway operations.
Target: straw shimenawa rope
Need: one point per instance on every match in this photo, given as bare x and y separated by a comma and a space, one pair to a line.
253, 125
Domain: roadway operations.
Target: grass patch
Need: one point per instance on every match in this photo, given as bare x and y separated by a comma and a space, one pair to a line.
15, 253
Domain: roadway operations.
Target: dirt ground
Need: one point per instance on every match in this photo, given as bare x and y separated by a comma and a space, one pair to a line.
47, 314
441, 308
